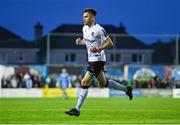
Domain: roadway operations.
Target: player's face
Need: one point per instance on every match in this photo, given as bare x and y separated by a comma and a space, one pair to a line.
88, 18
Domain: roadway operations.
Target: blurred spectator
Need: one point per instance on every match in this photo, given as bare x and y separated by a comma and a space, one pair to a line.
36, 80
28, 80
4, 82
14, 83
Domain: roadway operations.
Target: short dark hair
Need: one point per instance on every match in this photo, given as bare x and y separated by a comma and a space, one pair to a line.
91, 11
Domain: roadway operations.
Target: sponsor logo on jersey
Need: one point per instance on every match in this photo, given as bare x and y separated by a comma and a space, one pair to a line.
90, 41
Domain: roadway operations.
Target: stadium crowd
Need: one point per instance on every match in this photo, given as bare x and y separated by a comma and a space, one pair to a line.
28, 80
38, 77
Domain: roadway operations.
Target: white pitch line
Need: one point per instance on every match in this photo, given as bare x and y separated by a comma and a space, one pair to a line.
88, 124
58, 109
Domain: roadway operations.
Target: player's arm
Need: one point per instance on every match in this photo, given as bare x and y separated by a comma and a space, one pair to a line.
108, 43
80, 41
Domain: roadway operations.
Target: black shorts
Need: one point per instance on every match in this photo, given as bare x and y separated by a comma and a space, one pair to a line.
95, 68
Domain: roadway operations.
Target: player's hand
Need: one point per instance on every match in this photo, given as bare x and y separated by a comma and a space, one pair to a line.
95, 50
78, 41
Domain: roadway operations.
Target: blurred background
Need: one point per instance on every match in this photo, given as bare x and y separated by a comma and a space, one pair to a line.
37, 41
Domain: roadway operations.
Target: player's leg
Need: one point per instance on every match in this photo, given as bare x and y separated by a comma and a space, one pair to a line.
110, 83
102, 79
85, 83
113, 84
64, 94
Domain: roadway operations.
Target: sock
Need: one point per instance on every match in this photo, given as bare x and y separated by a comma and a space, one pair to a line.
116, 85
82, 97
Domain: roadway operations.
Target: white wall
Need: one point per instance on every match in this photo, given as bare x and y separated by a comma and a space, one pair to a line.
93, 92
21, 93
176, 93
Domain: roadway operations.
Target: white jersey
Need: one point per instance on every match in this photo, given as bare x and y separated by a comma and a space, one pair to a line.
94, 36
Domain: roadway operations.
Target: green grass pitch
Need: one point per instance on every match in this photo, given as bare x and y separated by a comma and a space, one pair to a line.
142, 110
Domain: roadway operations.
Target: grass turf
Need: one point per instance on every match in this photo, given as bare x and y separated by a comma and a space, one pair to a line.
154, 110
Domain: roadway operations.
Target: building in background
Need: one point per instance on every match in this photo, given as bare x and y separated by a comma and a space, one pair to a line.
16, 50
127, 48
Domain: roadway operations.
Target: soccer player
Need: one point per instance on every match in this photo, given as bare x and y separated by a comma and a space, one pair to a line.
96, 41
64, 80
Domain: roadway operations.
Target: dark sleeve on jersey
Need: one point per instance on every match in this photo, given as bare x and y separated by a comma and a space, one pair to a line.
104, 35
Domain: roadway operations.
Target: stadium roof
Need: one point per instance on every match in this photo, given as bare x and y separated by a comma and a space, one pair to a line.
20, 44
9, 39
5, 34
77, 28
68, 42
